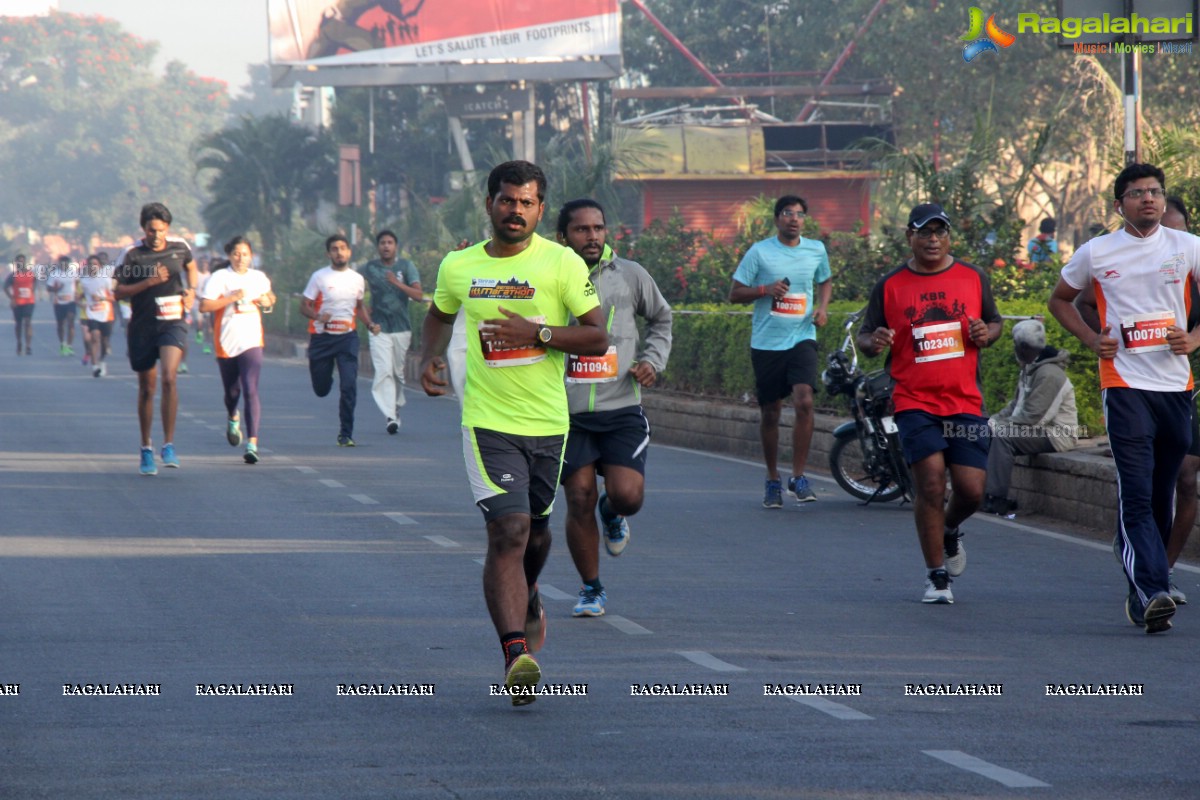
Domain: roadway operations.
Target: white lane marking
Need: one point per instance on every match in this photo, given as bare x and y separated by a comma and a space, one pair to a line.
365, 499
709, 661
836, 710
1062, 537
625, 625
199, 421
306, 470
443, 541
332, 484
1011, 779
215, 428
553, 593
399, 519
478, 561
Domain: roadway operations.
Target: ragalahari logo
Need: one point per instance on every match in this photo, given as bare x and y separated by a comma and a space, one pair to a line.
983, 37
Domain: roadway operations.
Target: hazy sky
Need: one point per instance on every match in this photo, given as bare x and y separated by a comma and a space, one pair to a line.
215, 38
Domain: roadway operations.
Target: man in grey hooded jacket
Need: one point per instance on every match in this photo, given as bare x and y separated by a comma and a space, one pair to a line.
609, 434
1040, 419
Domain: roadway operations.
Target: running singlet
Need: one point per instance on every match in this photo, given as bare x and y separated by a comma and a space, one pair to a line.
65, 282
21, 284
515, 390
1141, 290
335, 291
781, 324
162, 303
238, 326
97, 298
932, 359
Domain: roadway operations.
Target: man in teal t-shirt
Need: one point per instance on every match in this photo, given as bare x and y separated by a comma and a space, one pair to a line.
778, 275
393, 282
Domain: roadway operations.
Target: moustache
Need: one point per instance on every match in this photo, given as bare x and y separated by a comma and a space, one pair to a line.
514, 218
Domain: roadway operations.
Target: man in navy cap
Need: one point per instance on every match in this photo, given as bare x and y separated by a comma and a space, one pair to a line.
934, 314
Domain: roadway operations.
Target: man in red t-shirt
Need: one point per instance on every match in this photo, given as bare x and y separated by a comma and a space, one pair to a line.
19, 285
935, 313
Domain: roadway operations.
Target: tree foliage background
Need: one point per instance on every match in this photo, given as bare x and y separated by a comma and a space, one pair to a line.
89, 133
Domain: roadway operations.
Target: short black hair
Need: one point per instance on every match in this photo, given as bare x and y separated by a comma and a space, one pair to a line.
1135, 172
386, 232
517, 173
235, 241
789, 200
337, 237
152, 211
571, 206
1176, 202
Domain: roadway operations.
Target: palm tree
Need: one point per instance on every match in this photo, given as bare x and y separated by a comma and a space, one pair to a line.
264, 171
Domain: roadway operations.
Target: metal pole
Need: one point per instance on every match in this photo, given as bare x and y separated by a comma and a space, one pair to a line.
1130, 85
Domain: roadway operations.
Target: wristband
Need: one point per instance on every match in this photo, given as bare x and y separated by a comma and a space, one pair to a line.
762, 290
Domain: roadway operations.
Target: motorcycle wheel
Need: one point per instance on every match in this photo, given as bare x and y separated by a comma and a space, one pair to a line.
847, 462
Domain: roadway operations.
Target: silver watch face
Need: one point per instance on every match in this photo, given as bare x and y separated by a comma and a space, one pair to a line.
544, 334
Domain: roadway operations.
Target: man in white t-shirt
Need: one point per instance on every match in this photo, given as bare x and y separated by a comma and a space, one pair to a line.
1139, 274
96, 294
333, 300
62, 287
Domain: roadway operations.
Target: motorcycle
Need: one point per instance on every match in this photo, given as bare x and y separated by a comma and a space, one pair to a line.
866, 458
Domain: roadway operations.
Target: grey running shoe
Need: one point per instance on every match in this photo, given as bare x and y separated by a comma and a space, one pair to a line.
1176, 593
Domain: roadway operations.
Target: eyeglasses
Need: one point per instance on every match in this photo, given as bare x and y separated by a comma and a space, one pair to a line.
929, 233
792, 214
1138, 194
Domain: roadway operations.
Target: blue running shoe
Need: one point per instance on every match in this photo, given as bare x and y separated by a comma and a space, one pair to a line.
147, 467
616, 529
799, 488
251, 455
774, 495
591, 603
233, 432
169, 458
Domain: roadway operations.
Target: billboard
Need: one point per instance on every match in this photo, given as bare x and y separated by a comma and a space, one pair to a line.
389, 42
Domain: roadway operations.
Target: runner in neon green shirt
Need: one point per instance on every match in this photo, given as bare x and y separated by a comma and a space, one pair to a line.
517, 291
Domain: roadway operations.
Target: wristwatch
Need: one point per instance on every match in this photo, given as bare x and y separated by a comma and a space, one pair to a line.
544, 333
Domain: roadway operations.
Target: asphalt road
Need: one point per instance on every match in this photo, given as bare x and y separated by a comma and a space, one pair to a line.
324, 566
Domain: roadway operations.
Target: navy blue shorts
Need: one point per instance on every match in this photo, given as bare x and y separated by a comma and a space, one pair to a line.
777, 371
963, 438
619, 437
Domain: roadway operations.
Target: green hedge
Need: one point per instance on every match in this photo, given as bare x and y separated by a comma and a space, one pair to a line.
710, 356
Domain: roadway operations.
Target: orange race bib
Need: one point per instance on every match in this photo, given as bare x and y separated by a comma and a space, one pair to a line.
504, 356
1147, 333
792, 306
334, 325
169, 307
938, 342
593, 369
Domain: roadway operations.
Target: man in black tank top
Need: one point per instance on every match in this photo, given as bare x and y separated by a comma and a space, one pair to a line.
158, 277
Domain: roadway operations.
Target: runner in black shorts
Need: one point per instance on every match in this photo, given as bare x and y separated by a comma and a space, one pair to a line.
157, 275
517, 292
609, 434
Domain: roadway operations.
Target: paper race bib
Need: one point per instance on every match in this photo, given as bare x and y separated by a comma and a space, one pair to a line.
791, 306
503, 356
593, 369
169, 307
63, 297
1147, 333
338, 325
24, 292
246, 306
938, 342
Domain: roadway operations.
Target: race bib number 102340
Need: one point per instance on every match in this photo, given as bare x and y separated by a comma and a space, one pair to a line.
938, 342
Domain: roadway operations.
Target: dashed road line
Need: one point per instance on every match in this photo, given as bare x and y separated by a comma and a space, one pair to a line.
332, 484
306, 470
625, 625
552, 592
1008, 777
709, 661
399, 519
836, 710
443, 541
365, 499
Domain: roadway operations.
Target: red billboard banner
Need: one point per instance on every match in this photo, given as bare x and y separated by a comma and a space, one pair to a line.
336, 33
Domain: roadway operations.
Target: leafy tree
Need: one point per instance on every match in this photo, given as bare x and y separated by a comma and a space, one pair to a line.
90, 133
262, 173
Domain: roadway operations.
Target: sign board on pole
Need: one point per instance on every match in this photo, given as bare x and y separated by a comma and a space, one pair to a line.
393, 42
